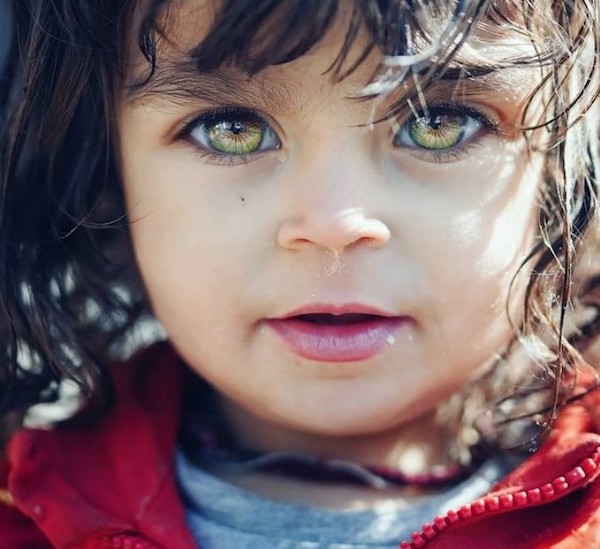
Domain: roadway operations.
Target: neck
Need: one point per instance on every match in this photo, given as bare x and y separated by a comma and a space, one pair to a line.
415, 448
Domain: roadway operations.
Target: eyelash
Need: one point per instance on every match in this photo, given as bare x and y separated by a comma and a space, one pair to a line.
450, 154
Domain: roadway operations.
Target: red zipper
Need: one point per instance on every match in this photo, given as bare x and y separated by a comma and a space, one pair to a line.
491, 505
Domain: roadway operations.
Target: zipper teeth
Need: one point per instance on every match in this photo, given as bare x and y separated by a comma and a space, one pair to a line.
493, 504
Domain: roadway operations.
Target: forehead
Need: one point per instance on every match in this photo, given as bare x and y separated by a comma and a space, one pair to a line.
199, 43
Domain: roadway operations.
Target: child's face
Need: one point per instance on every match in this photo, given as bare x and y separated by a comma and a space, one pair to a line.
255, 201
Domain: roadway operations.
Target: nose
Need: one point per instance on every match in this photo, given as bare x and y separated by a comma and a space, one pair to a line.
333, 228
333, 194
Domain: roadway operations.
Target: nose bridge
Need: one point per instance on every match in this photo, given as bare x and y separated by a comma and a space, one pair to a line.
333, 203
332, 193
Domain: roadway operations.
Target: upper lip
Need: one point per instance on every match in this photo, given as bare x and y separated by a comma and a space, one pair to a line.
337, 310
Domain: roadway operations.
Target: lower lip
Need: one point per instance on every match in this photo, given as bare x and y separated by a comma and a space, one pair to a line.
339, 343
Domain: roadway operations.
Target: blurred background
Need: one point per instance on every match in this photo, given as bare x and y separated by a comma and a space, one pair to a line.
3, 30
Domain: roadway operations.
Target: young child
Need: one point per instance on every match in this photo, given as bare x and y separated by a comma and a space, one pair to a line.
368, 230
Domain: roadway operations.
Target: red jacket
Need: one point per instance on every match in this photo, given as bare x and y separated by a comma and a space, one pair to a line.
113, 487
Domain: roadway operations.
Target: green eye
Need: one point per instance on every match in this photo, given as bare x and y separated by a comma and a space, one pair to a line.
235, 137
440, 132
234, 132
441, 129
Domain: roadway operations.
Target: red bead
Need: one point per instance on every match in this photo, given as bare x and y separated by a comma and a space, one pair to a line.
506, 501
534, 495
575, 475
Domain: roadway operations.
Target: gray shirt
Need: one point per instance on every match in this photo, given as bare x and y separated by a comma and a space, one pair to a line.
222, 516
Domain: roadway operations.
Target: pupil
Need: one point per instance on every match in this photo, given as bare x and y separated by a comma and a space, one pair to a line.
436, 123
237, 127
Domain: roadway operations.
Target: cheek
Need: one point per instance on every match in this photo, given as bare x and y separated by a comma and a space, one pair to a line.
496, 234
483, 247
193, 286
184, 258
493, 249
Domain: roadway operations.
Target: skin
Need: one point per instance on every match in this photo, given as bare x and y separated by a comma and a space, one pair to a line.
337, 212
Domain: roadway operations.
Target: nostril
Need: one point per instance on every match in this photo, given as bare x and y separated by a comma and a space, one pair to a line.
333, 230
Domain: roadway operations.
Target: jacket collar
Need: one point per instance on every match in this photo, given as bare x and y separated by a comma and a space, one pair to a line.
115, 473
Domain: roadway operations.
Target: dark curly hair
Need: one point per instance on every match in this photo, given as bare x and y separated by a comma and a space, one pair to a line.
69, 291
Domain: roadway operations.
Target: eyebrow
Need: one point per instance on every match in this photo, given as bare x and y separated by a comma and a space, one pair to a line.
183, 82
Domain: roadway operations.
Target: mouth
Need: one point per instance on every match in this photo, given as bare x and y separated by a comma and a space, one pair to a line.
326, 319
339, 336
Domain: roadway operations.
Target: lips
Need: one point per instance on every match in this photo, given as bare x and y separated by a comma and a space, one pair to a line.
346, 333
